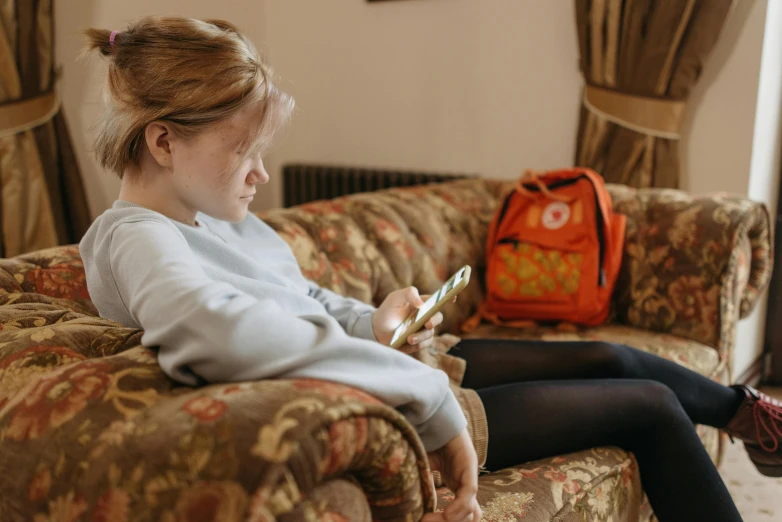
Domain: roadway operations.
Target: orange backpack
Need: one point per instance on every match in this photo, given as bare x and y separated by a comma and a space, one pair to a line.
553, 252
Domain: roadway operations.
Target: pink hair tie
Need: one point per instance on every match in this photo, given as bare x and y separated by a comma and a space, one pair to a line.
111, 38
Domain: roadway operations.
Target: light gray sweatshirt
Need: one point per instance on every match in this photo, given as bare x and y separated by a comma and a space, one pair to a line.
228, 302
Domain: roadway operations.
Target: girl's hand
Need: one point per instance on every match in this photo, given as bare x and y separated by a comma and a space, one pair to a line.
395, 309
457, 463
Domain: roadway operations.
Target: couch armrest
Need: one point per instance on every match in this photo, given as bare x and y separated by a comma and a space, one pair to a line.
96, 435
693, 264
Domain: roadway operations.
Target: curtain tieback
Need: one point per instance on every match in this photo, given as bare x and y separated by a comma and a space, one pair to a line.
20, 115
657, 117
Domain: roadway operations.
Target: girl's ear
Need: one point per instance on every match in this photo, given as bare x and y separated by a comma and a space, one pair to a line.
158, 136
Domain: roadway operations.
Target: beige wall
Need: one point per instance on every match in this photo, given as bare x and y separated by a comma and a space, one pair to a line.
717, 143
765, 165
448, 85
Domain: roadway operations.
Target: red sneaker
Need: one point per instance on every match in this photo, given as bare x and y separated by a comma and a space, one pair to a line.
758, 423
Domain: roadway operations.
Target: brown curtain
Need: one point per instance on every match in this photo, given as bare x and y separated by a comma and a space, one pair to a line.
42, 199
640, 59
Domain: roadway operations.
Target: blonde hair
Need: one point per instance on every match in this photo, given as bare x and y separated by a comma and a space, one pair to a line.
190, 73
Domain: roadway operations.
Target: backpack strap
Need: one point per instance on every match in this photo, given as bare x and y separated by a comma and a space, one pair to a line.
495, 224
518, 323
524, 191
603, 197
472, 323
475, 320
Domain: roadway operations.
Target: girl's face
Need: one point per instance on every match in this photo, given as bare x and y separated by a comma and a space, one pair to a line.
211, 173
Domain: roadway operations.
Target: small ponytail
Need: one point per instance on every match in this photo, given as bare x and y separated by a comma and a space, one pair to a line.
99, 39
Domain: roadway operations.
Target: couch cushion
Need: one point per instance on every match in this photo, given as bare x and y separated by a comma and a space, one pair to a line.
596, 484
691, 354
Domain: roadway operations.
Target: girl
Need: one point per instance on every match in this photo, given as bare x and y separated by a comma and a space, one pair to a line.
191, 108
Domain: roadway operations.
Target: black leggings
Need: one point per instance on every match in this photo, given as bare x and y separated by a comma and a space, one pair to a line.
550, 398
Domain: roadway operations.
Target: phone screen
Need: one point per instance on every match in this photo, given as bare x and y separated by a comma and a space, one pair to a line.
429, 303
439, 294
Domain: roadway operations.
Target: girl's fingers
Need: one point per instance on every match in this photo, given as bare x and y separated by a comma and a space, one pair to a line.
460, 509
434, 321
419, 337
412, 297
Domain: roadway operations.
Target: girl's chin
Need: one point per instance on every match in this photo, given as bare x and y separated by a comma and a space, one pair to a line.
235, 215
241, 213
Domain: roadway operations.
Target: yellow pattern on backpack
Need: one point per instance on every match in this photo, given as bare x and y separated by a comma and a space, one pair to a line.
533, 271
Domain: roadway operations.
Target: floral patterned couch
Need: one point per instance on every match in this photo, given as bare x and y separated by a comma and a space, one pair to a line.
90, 429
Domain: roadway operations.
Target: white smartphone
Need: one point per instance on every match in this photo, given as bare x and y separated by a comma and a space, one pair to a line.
417, 319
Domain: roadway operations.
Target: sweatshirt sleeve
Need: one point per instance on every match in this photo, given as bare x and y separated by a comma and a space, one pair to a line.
353, 315
210, 330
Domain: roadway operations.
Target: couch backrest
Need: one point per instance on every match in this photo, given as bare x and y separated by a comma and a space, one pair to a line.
362, 246
367, 245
